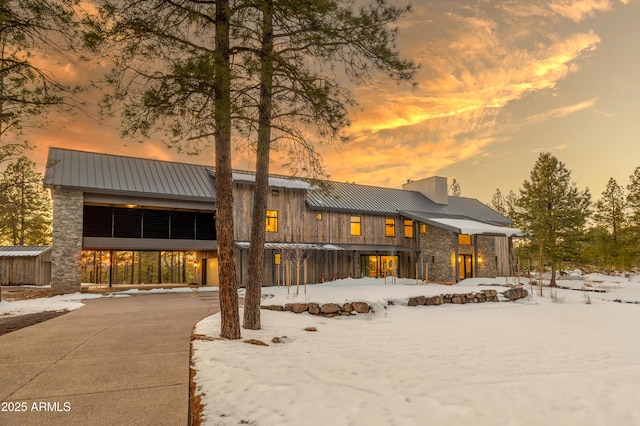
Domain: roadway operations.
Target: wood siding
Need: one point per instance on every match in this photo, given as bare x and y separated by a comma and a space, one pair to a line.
34, 270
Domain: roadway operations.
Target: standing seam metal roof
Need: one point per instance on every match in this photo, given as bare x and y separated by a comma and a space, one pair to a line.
349, 197
112, 173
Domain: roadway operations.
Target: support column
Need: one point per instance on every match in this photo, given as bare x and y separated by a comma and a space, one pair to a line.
67, 240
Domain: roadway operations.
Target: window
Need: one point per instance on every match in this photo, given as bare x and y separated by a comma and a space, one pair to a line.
355, 225
390, 227
408, 228
464, 239
318, 216
275, 192
272, 221
423, 228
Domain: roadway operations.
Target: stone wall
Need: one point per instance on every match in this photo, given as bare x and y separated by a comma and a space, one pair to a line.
487, 265
436, 246
67, 240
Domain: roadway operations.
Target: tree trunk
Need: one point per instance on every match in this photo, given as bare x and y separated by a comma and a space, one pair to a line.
230, 317
552, 283
261, 190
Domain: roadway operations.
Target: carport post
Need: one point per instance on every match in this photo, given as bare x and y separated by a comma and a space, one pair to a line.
111, 268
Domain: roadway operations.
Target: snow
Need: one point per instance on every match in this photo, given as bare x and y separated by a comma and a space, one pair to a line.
466, 226
541, 360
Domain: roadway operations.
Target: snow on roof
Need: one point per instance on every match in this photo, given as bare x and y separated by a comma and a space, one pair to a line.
275, 181
293, 246
466, 226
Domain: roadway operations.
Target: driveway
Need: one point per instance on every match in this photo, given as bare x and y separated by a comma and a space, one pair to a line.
119, 360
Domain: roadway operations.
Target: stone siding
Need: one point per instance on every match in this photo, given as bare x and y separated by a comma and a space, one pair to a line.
67, 240
487, 266
437, 246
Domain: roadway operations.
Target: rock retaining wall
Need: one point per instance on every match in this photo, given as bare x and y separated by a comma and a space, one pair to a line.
351, 308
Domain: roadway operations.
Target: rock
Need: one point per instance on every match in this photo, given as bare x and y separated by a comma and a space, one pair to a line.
314, 308
310, 329
277, 340
412, 302
515, 293
434, 300
345, 313
390, 302
347, 307
490, 293
421, 300
360, 307
296, 307
273, 307
255, 342
330, 308
456, 300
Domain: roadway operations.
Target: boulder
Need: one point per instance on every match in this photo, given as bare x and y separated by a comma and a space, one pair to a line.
434, 300
421, 300
314, 308
412, 302
490, 293
296, 307
272, 307
330, 308
515, 293
360, 307
456, 299
347, 307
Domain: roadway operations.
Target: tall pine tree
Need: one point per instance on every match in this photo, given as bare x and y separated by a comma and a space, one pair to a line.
552, 211
610, 216
25, 210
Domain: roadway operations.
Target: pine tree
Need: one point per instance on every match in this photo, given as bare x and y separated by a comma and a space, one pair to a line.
633, 197
610, 215
25, 213
498, 203
552, 211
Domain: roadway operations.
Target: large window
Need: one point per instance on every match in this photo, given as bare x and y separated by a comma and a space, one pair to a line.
390, 227
134, 222
464, 239
408, 228
272, 221
355, 225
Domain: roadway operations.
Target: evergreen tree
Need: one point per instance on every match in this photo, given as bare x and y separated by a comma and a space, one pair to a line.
498, 202
610, 216
633, 197
25, 212
280, 83
31, 28
552, 211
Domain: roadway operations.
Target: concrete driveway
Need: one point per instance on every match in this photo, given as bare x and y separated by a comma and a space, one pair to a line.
116, 361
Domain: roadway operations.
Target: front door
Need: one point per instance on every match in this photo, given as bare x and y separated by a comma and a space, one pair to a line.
211, 271
466, 266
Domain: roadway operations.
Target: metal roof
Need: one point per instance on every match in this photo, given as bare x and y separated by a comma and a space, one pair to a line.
23, 251
350, 197
106, 173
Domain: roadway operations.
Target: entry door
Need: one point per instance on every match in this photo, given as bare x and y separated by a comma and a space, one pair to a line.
466, 266
211, 273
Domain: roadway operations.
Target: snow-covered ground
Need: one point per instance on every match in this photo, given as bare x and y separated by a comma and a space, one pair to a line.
542, 360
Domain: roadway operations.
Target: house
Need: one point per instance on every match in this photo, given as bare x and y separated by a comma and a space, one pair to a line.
25, 265
113, 203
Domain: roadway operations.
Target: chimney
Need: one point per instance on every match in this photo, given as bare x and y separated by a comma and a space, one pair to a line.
434, 188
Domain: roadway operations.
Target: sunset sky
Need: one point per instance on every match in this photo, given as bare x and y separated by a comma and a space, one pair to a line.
500, 81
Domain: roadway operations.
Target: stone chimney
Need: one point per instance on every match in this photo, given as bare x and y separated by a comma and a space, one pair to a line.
434, 188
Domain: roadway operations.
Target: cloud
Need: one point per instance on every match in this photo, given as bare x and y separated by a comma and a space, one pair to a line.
577, 10
561, 112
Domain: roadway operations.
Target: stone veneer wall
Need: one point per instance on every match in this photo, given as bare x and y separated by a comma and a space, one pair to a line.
67, 240
436, 247
487, 251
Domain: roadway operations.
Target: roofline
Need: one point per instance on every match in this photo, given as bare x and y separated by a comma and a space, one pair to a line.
131, 193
